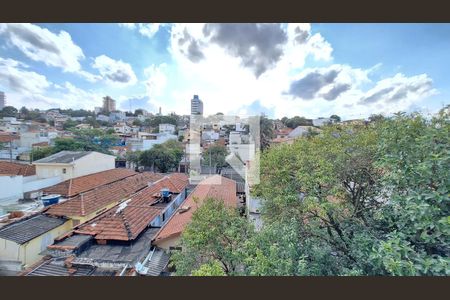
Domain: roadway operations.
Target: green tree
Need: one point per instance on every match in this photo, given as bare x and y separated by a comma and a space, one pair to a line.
164, 157
266, 132
133, 157
335, 118
210, 269
69, 124
216, 234
41, 153
9, 111
137, 122
370, 200
215, 156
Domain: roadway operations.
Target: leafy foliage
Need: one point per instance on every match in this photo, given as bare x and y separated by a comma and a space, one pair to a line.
164, 157
215, 156
216, 235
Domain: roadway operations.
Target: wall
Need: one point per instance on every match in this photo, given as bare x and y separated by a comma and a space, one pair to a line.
168, 242
11, 187
28, 254
93, 163
148, 144
38, 184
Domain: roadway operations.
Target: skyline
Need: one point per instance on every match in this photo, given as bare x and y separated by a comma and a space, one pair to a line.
352, 70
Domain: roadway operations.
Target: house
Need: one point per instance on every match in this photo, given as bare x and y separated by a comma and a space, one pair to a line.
23, 241
84, 126
87, 205
210, 135
235, 137
17, 179
159, 138
301, 131
146, 208
321, 122
40, 145
75, 186
217, 187
167, 128
119, 239
71, 164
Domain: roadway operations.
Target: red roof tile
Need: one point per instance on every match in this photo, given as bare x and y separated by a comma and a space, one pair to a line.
93, 200
9, 168
127, 220
216, 186
75, 186
6, 138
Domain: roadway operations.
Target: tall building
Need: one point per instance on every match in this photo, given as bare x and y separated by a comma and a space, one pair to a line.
196, 106
2, 100
109, 104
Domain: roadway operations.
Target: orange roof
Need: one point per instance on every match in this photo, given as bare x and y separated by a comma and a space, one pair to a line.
216, 186
6, 138
9, 168
93, 200
128, 222
286, 130
40, 144
74, 186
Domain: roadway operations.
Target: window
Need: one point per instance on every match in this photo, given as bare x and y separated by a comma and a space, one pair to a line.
64, 170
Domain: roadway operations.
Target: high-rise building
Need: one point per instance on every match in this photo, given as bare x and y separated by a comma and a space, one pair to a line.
109, 104
2, 100
196, 106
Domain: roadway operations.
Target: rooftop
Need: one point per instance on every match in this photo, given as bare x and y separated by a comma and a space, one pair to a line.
129, 253
27, 229
75, 186
63, 157
93, 200
10, 168
216, 186
128, 220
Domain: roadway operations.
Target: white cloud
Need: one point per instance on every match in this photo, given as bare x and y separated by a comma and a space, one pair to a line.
42, 45
14, 76
145, 29
115, 72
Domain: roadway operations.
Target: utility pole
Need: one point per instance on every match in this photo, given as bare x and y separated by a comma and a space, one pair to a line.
10, 150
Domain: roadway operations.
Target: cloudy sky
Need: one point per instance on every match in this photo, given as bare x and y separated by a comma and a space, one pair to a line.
312, 70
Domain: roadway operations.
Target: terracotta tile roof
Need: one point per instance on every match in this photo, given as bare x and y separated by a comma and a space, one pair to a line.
9, 168
6, 138
93, 200
127, 220
216, 186
75, 186
40, 144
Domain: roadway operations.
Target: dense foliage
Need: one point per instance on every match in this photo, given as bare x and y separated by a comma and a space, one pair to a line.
215, 156
83, 140
163, 157
354, 200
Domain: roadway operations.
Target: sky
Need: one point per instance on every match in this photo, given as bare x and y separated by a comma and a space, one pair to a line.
310, 70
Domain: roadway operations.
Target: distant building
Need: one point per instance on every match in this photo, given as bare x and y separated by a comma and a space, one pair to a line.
71, 164
109, 104
196, 106
321, 122
2, 100
167, 128
97, 110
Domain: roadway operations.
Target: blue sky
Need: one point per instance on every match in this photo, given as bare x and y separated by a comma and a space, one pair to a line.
312, 70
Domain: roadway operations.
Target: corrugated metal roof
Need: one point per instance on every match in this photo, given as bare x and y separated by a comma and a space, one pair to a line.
25, 230
63, 157
57, 268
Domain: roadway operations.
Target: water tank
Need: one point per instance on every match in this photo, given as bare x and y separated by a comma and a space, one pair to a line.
165, 193
50, 199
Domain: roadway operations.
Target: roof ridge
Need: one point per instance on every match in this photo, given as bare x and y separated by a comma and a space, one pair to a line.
82, 204
127, 225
